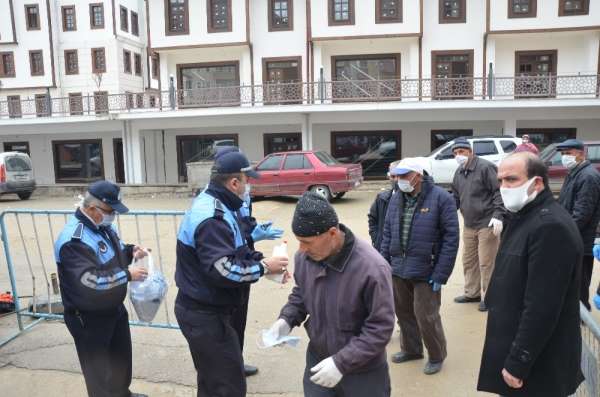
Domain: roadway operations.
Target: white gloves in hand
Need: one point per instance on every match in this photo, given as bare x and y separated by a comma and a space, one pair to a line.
497, 226
326, 374
279, 329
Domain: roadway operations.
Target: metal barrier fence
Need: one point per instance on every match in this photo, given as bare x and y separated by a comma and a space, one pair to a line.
28, 242
590, 355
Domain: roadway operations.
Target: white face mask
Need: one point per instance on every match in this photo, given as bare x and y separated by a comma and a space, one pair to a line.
246, 194
515, 198
461, 160
405, 186
569, 161
107, 220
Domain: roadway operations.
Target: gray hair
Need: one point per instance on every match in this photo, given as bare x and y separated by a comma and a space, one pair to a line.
89, 200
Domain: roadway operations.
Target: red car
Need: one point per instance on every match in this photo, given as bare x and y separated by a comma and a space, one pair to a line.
293, 173
557, 172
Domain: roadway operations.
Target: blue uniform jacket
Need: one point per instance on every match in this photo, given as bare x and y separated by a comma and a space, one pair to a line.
92, 265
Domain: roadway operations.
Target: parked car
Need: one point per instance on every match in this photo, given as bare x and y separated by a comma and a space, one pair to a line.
557, 172
492, 148
293, 173
16, 174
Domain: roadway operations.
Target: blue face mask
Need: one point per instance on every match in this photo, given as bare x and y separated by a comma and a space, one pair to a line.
108, 220
246, 194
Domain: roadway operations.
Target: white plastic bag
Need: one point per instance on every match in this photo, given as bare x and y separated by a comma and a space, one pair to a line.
146, 296
278, 250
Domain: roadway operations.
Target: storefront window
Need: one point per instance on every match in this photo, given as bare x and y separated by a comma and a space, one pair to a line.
373, 150
78, 161
194, 148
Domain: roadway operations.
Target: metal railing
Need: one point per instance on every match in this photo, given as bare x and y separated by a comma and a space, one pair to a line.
590, 355
316, 93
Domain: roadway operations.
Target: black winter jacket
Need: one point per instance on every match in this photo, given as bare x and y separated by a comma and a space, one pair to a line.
377, 217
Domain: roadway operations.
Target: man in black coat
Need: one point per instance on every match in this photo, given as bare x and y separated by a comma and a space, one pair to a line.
379, 209
579, 195
533, 340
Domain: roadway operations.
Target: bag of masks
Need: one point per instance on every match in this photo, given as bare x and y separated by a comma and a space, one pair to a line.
146, 296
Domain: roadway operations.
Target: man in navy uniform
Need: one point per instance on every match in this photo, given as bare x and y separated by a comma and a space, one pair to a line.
215, 261
93, 270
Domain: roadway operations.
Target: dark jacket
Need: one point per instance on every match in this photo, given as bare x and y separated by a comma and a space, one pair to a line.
533, 301
92, 266
477, 193
377, 217
433, 240
349, 303
580, 195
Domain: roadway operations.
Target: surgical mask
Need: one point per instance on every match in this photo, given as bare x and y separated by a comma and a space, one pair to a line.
107, 220
246, 194
515, 198
461, 160
569, 161
405, 186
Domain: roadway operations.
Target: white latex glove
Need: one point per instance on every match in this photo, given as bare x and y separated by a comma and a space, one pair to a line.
279, 329
497, 226
326, 373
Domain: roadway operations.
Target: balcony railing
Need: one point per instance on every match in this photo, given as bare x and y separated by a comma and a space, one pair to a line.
317, 93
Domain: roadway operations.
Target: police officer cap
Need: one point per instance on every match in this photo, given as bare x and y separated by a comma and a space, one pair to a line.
108, 193
233, 163
570, 144
225, 150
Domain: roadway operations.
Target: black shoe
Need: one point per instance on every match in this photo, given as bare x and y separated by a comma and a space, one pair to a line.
432, 368
403, 357
482, 307
466, 299
250, 370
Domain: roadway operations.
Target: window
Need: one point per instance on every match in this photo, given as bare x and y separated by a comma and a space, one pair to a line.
127, 61
281, 15
535, 73
522, 8
272, 163
17, 164
135, 26
209, 84
43, 105
97, 16
192, 148
75, 103
279, 75
573, 7
219, 16
452, 74
7, 66
22, 147
14, 106
388, 11
138, 64
78, 161
440, 137
32, 16
124, 18
36, 62
284, 142
374, 150
453, 11
69, 20
593, 153
296, 162
101, 102
543, 137
177, 17
359, 77
341, 12
484, 148
508, 146
98, 60
155, 67
71, 62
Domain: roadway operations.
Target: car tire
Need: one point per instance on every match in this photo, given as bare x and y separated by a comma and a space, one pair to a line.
322, 190
25, 196
340, 195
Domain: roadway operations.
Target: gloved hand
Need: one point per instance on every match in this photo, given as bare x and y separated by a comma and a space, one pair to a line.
597, 301
436, 287
497, 226
279, 329
596, 251
326, 373
265, 231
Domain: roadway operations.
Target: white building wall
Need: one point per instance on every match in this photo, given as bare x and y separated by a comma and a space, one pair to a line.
6, 26
546, 18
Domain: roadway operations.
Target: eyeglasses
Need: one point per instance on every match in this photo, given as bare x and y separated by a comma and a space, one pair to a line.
107, 212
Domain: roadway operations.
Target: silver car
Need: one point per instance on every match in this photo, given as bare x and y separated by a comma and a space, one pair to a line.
16, 175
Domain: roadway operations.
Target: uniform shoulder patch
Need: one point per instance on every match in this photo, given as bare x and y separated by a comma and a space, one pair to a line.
78, 232
219, 209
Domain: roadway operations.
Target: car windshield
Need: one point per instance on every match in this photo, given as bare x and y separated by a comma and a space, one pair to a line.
17, 164
326, 158
547, 152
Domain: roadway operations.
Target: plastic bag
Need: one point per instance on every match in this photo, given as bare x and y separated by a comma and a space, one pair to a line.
146, 296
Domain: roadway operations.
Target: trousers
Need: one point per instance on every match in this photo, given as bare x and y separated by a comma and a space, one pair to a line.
480, 247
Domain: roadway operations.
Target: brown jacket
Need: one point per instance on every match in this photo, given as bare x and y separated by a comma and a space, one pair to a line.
349, 302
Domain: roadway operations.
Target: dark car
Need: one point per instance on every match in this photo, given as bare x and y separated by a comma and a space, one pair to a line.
557, 172
293, 173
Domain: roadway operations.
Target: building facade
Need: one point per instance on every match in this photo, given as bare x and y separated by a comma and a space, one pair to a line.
132, 90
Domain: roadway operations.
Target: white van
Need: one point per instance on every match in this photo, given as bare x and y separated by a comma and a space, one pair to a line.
16, 175
492, 148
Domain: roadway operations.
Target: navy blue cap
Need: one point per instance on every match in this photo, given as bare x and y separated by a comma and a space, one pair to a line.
232, 163
570, 144
461, 143
225, 150
108, 193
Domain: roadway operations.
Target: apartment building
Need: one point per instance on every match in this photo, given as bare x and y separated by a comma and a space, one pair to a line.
389, 78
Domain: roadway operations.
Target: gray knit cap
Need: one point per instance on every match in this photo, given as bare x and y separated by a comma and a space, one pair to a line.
313, 216
461, 143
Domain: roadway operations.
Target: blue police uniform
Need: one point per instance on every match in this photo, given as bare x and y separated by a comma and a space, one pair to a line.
214, 266
92, 267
